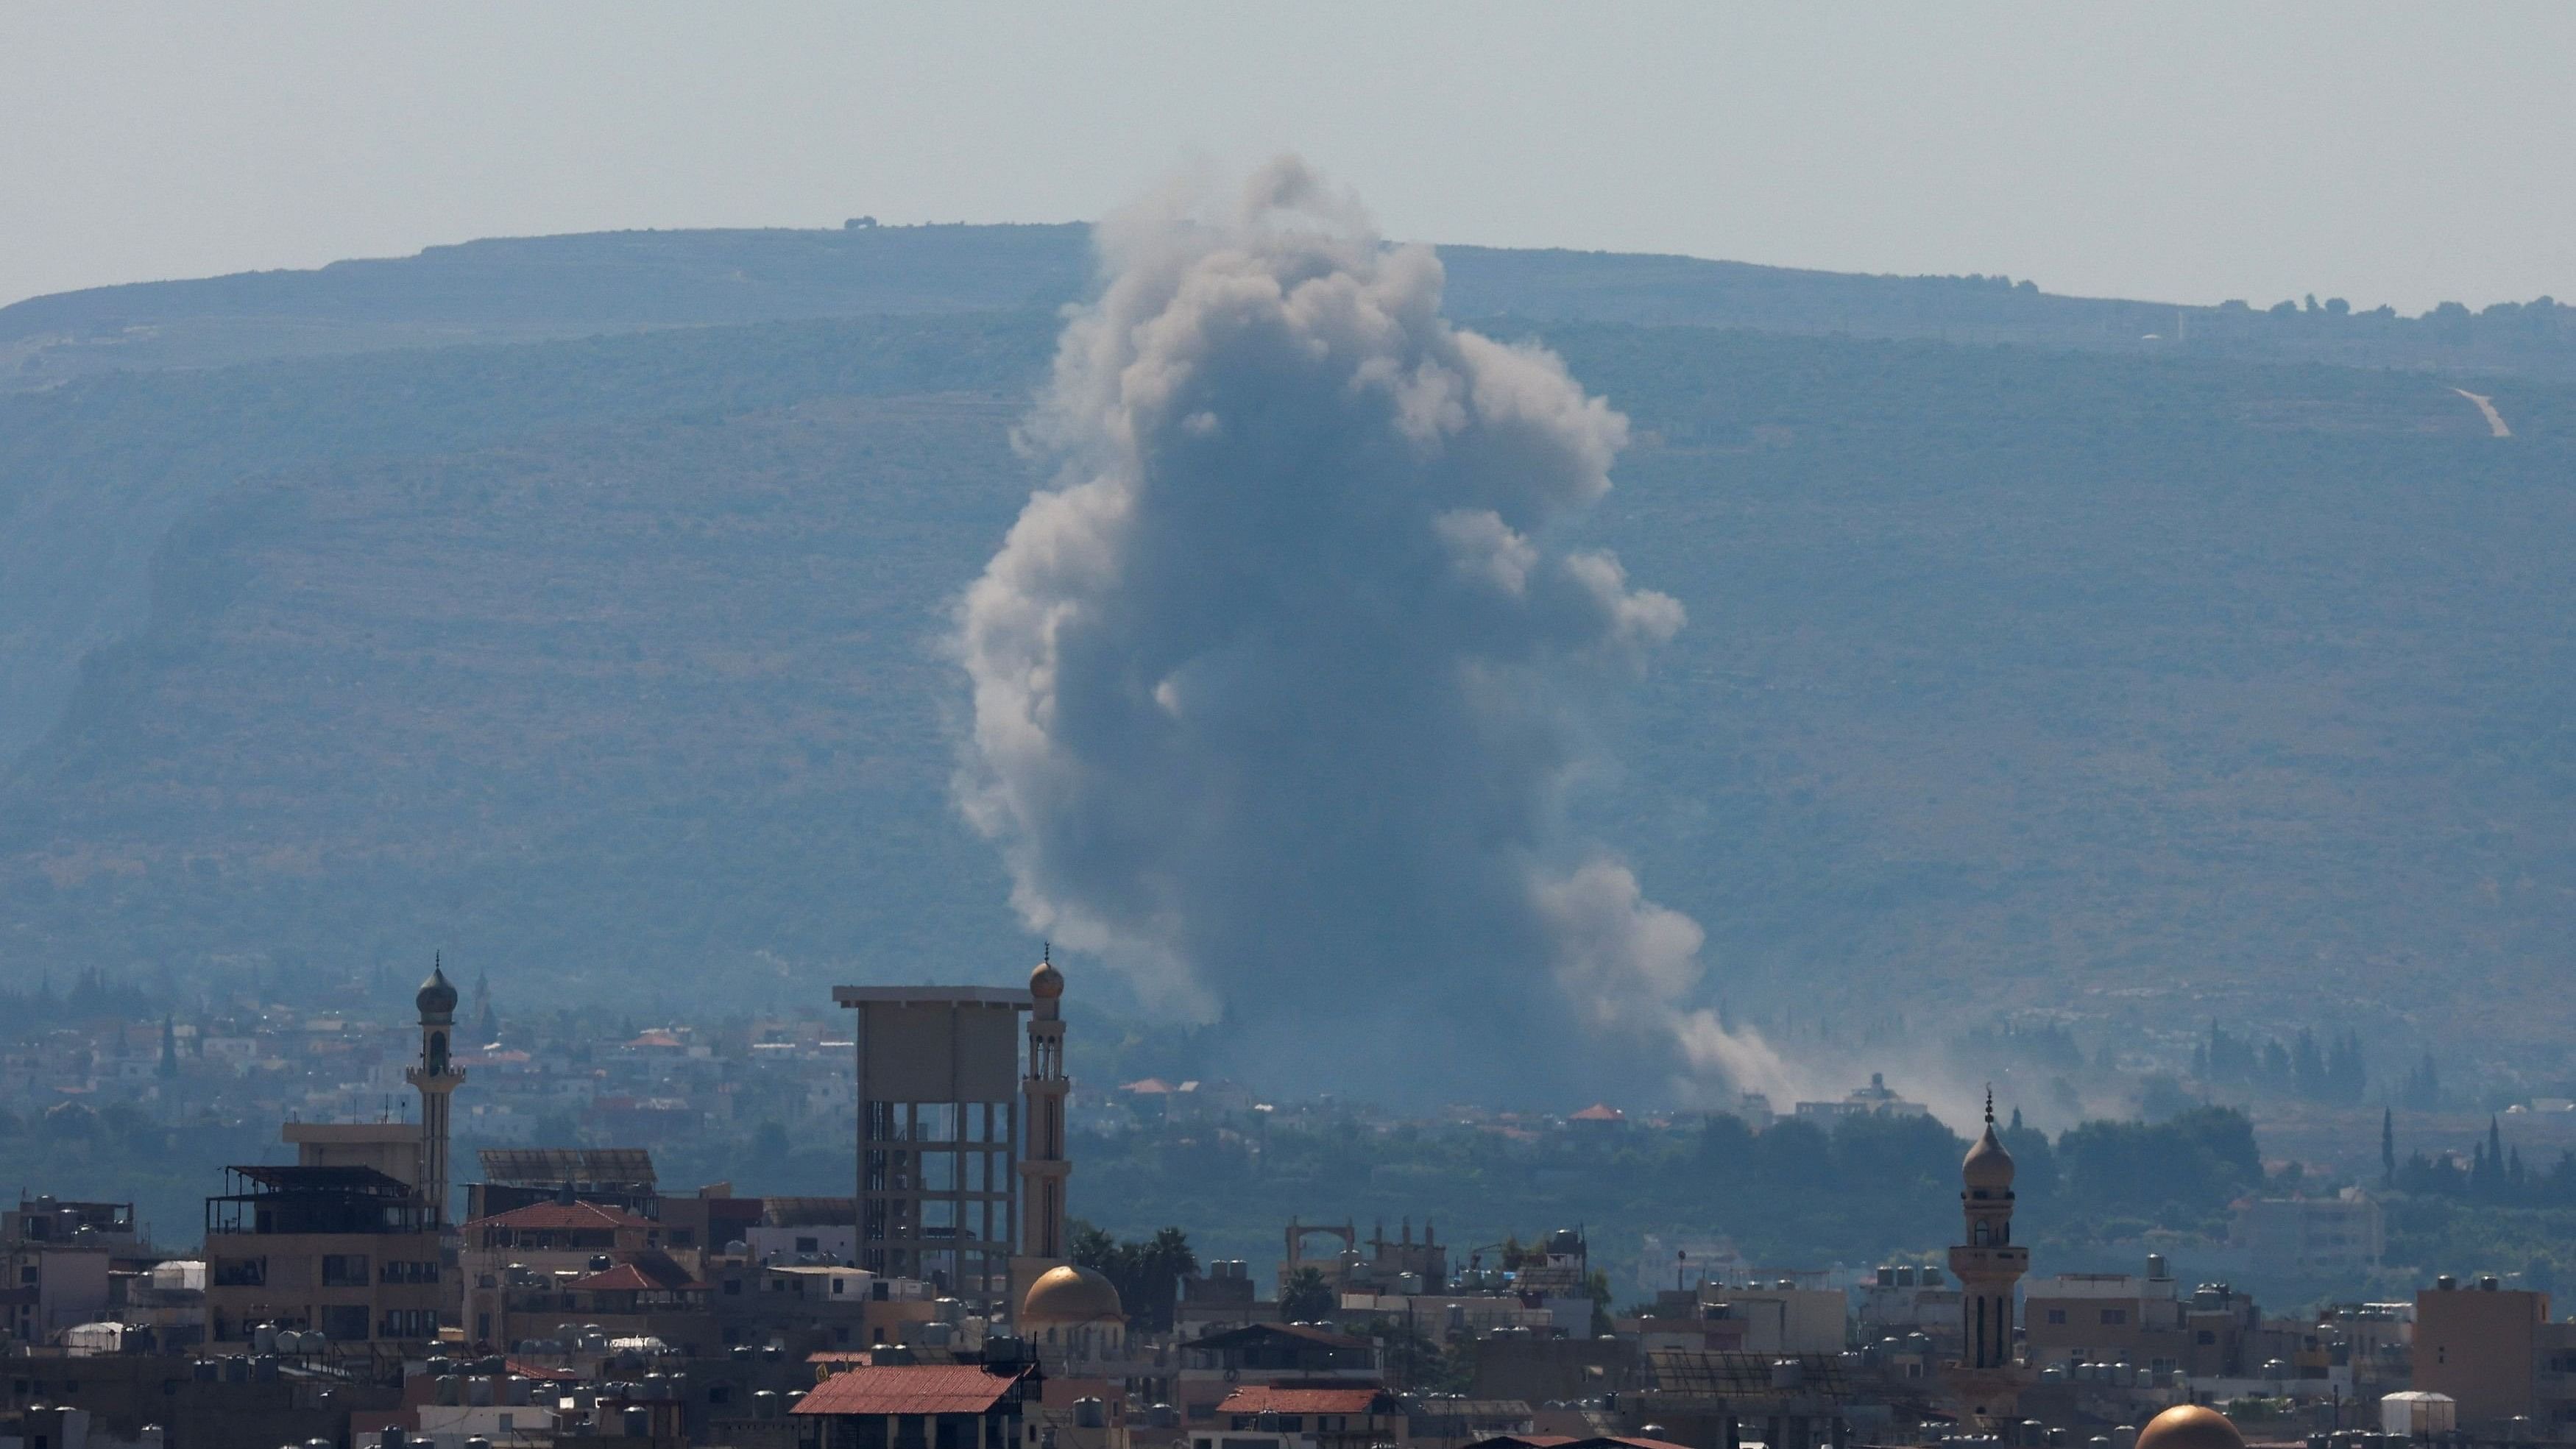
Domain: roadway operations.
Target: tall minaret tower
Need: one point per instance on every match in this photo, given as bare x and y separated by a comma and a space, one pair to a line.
1989, 1265
1043, 1168
436, 1077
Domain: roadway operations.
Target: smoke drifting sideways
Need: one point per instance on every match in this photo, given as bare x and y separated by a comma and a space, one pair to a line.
1278, 686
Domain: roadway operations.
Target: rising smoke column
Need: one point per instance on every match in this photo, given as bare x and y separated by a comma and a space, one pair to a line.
1276, 688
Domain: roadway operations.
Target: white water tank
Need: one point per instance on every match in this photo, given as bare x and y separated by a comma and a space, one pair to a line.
2418, 1415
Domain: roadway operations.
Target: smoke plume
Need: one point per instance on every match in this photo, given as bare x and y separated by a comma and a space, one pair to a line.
1278, 685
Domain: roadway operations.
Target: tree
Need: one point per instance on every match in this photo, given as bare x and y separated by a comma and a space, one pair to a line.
1413, 1361
1306, 1297
1162, 1261
1091, 1248
2308, 1067
1147, 1275
2423, 1090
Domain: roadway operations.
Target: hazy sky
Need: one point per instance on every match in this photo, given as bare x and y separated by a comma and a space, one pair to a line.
2405, 154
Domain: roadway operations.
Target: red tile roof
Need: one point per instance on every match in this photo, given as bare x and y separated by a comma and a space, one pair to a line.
562, 1215
928, 1388
628, 1278
1599, 1112
1269, 1399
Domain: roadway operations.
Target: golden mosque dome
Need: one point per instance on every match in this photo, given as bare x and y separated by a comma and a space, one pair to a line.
1046, 983
1068, 1297
1988, 1165
2189, 1426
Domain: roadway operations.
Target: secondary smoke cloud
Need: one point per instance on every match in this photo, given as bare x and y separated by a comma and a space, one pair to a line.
1276, 689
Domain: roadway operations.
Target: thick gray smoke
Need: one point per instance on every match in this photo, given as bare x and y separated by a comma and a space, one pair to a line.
1276, 689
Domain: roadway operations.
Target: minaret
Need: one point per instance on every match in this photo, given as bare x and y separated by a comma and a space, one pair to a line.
1989, 1264
436, 1077
1043, 1168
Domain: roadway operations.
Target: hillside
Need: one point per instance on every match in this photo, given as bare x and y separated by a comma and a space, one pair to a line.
2132, 686
520, 289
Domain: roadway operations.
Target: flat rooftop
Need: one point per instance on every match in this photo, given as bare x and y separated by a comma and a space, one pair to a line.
1010, 996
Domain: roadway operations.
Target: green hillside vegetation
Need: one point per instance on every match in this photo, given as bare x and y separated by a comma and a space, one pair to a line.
517, 289
2147, 687
93, 475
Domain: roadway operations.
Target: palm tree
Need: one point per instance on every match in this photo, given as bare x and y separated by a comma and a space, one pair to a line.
1163, 1261
1306, 1297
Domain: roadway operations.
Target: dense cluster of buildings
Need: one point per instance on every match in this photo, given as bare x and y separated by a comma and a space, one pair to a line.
341, 1300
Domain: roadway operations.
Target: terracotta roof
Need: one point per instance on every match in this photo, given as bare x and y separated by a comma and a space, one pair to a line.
562, 1215
941, 1388
1271, 1399
1599, 1112
630, 1278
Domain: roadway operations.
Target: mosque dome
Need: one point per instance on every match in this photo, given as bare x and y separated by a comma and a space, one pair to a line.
1988, 1165
1067, 1297
1046, 983
437, 997
2190, 1426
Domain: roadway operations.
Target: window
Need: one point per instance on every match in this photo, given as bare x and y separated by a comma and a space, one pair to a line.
414, 1323
396, 1272
344, 1270
809, 1245
2057, 1315
2115, 1315
2205, 1336
240, 1272
345, 1322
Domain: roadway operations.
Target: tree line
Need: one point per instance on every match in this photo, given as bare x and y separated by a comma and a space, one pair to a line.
2333, 1074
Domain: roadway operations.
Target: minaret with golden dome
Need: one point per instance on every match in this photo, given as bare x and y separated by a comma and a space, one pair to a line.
1043, 1166
1989, 1265
437, 1076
